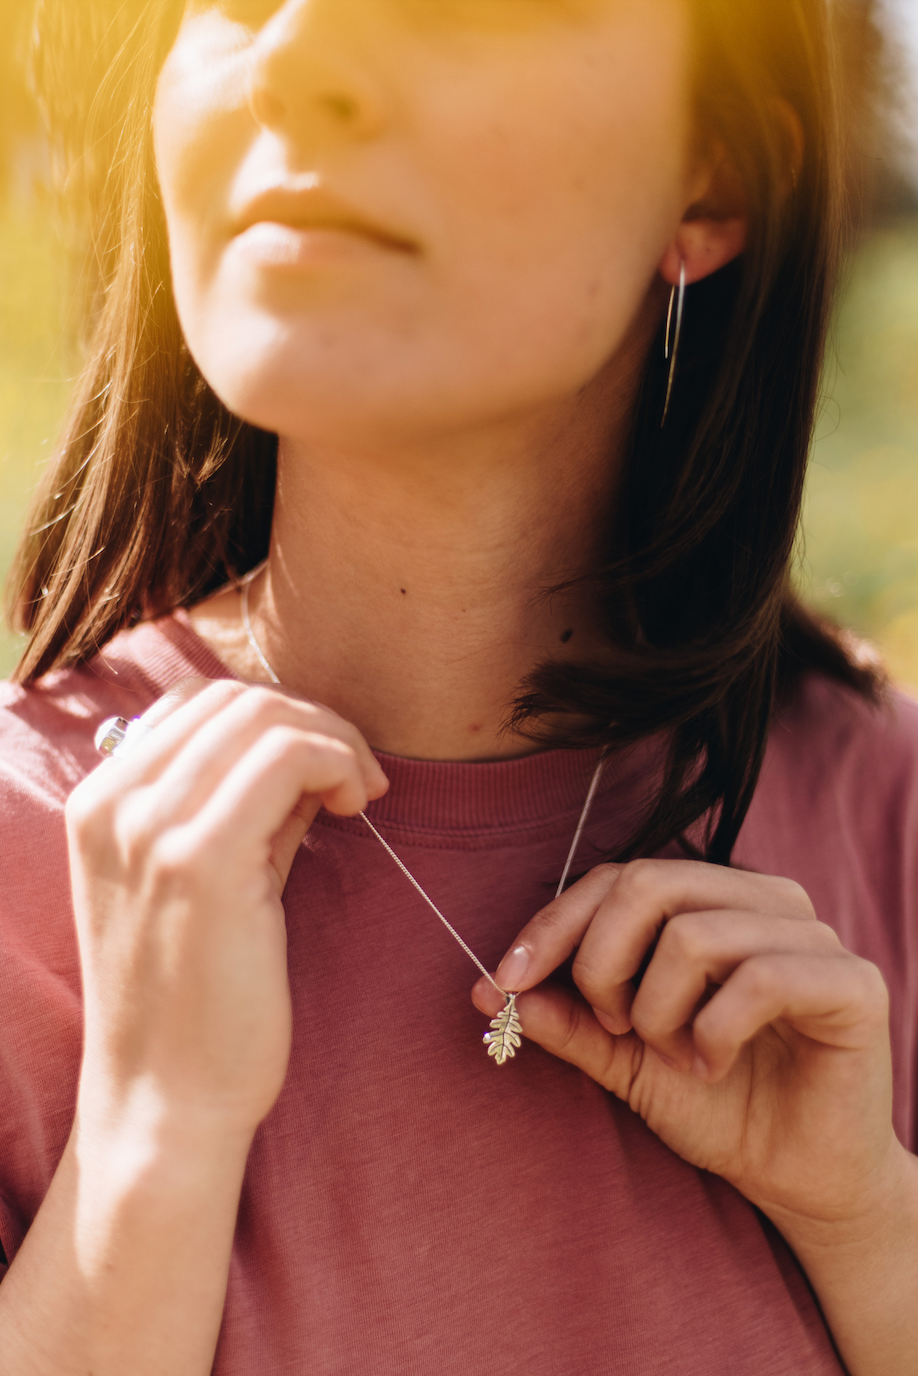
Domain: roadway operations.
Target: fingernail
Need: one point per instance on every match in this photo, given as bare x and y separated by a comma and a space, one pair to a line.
701, 1069
512, 970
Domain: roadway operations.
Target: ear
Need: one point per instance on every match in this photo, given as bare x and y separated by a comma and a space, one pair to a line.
714, 227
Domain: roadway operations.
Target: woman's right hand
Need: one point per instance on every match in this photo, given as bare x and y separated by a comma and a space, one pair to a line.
179, 856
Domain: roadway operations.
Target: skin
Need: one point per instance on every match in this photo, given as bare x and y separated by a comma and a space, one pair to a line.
448, 402
781, 1083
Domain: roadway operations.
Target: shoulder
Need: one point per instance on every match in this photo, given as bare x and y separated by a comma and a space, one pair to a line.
837, 810
832, 751
840, 778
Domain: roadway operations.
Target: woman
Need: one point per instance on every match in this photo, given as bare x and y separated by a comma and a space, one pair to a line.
504, 319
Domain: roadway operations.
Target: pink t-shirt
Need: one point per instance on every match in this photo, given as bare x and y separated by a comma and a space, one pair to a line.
408, 1207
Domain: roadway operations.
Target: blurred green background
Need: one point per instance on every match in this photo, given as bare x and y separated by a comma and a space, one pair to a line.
859, 545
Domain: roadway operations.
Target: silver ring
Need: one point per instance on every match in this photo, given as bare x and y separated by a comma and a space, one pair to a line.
117, 736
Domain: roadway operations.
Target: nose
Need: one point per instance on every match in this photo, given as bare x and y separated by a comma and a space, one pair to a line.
312, 72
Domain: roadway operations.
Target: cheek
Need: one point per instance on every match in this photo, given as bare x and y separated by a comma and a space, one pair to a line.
550, 185
200, 131
564, 191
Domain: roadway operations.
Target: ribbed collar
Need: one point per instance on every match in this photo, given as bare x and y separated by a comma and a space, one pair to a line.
537, 793
500, 797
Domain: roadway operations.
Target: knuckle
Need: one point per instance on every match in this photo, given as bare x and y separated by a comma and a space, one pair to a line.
173, 858
341, 748
760, 979
218, 695
687, 937
639, 878
551, 926
827, 937
318, 745
308, 716
279, 738
197, 684
257, 701
590, 980
131, 837
608, 871
86, 809
343, 731
794, 898
875, 996
324, 761
599, 883
220, 689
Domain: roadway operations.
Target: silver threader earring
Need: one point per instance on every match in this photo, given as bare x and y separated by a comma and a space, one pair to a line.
673, 353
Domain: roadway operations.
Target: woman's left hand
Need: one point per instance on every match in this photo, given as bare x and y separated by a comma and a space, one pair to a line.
754, 1045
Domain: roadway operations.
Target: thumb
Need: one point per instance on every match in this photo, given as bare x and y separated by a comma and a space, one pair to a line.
288, 840
564, 1025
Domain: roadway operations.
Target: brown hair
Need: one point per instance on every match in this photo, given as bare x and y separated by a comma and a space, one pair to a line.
158, 495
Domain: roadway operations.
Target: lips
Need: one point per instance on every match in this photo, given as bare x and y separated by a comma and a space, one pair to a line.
314, 208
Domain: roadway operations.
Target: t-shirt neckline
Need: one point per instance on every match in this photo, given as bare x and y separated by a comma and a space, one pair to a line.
458, 796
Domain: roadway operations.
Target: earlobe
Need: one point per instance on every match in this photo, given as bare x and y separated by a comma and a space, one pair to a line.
704, 245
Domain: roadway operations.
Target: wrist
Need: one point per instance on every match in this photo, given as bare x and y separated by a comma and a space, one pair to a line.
883, 1205
142, 1167
138, 1129
863, 1266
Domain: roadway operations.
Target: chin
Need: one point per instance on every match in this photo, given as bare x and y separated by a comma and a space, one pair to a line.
320, 383
355, 382
311, 404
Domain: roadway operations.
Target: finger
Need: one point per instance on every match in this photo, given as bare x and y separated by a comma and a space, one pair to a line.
550, 937
116, 789
193, 748
180, 693
200, 767
116, 738
175, 717
649, 895
325, 768
615, 913
289, 838
564, 1025
182, 715
698, 950
838, 1000
258, 795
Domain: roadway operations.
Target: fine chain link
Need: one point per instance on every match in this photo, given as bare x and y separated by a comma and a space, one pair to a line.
430, 903
594, 785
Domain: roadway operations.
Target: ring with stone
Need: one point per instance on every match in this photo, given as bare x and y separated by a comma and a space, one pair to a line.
117, 736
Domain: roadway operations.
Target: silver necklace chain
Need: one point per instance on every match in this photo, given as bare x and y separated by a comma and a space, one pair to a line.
591, 794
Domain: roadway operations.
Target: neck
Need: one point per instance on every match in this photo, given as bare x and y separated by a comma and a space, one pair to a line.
405, 586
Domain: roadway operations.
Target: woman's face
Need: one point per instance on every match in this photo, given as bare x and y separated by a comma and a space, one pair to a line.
392, 216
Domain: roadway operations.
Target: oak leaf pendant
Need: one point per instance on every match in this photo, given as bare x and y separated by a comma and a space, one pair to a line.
504, 1038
